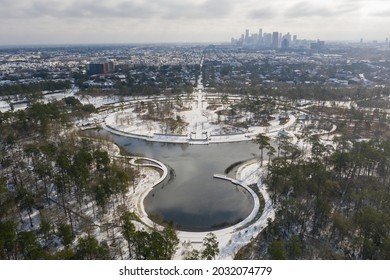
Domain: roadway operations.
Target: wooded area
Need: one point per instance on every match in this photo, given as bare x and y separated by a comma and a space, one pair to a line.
333, 206
60, 191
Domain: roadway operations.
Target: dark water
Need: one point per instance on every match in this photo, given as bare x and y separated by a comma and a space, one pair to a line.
193, 200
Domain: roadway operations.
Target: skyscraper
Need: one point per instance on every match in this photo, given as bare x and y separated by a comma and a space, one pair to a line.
267, 39
260, 39
275, 40
254, 38
242, 39
288, 37
247, 36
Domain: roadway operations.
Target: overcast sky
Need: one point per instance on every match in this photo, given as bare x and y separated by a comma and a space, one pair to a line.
141, 21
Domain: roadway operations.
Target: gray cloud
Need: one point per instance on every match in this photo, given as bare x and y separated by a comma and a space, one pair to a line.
161, 20
384, 13
167, 9
104, 9
307, 9
121, 10
192, 10
175, 9
264, 13
81, 8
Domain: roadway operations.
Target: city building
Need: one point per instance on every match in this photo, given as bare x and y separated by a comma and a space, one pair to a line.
267, 39
260, 35
100, 68
319, 45
286, 40
247, 36
285, 43
275, 40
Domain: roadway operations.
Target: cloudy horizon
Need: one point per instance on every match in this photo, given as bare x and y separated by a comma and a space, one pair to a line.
154, 21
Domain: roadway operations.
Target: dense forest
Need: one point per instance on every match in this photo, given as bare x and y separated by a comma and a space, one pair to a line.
333, 206
34, 89
63, 196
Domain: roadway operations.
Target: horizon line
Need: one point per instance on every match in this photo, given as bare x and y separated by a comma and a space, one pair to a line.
28, 45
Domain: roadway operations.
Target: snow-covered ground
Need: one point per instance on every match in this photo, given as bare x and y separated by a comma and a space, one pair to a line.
230, 239
200, 128
233, 238
97, 101
5, 106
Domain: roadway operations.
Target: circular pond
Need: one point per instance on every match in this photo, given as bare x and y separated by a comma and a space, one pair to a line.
191, 198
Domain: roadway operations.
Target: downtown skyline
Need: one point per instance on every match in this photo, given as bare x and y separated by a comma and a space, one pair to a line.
24, 22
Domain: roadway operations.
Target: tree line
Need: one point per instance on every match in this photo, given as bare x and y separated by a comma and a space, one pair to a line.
27, 90
333, 206
63, 196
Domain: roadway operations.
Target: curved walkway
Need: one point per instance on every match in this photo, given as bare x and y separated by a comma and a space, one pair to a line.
214, 139
139, 201
140, 208
230, 239
256, 201
197, 237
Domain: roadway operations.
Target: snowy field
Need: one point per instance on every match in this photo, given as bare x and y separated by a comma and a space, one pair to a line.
200, 128
200, 125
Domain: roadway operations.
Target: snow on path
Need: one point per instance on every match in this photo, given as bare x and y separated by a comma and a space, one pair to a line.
250, 173
198, 129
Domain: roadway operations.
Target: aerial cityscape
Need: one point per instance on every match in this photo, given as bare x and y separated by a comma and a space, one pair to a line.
263, 145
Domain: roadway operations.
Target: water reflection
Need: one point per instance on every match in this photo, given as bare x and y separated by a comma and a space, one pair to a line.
193, 200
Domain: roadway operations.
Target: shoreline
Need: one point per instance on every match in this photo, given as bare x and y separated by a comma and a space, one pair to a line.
231, 238
183, 139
